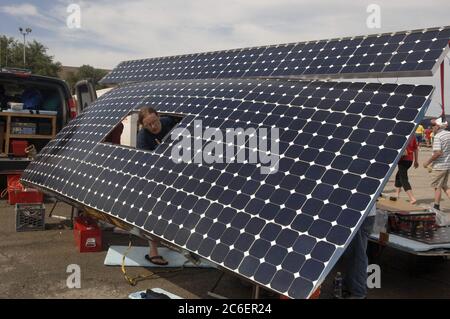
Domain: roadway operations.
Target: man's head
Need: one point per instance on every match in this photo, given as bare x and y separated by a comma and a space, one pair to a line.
437, 124
149, 119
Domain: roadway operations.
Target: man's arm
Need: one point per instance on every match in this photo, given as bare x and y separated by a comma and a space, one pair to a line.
144, 143
437, 152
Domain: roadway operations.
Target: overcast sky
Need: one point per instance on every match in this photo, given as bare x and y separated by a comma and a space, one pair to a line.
117, 30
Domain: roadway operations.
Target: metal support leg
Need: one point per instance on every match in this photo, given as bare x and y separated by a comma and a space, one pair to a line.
255, 293
211, 293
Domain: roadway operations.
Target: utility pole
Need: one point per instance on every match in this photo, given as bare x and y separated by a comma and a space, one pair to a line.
24, 33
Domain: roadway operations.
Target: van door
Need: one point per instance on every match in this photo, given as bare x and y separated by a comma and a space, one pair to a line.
86, 94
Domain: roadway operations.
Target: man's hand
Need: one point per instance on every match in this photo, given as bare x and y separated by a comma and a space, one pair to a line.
416, 164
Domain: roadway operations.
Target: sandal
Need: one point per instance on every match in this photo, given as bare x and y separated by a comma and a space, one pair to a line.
154, 260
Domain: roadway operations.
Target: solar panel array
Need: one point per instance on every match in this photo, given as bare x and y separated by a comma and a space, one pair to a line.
285, 231
408, 53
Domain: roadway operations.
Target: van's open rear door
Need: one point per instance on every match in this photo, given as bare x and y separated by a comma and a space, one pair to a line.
86, 94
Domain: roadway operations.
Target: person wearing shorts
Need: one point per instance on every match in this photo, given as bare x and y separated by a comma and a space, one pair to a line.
440, 161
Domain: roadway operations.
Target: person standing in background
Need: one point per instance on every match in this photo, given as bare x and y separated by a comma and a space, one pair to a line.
406, 161
440, 161
419, 133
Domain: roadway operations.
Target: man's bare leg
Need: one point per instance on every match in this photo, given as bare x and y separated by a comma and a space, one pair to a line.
437, 197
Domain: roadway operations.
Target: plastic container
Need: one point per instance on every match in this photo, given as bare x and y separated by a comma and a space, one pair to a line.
18, 148
18, 194
88, 236
30, 217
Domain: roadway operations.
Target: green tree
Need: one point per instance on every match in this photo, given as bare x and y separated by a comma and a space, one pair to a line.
86, 72
37, 58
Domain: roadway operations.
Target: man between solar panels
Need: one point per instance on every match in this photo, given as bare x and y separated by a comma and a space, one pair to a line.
439, 160
153, 130
355, 260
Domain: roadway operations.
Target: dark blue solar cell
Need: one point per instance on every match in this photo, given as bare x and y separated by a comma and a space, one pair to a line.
279, 196
233, 259
359, 135
332, 176
171, 231
282, 281
315, 172
295, 201
312, 269
341, 162
259, 248
330, 212
318, 142
358, 201
319, 228
338, 235
342, 132
350, 149
333, 145
269, 211
204, 225
275, 255
326, 130
299, 168
312, 207
255, 225
293, 262
367, 123
286, 238
349, 218
324, 158
386, 156
265, 191
240, 201
323, 251
368, 186
300, 288
194, 241
248, 266
248, 187
339, 196
368, 152
415, 102
378, 170
302, 222
407, 114
270, 232
308, 155
213, 210
285, 216
385, 126
335, 118
254, 206
359, 166
265, 273
402, 128
219, 253
376, 138
289, 182
244, 242
322, 191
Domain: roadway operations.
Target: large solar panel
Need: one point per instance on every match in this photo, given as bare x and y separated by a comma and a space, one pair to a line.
338, 143
407, 53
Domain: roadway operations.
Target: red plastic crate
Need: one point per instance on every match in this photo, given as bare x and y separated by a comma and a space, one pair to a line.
88, 236
18, 148
18, 194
